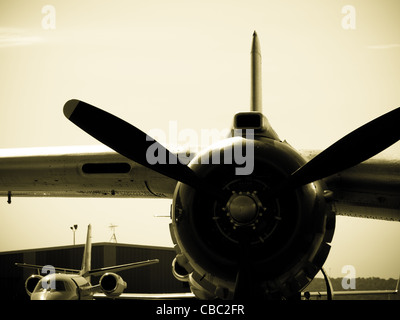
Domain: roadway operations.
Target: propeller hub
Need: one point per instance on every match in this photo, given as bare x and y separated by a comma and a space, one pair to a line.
243, 208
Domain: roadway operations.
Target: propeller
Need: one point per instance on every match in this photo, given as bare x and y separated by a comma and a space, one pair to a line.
354, 148
130, 142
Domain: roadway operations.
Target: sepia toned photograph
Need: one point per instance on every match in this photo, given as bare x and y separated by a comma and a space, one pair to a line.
216, 151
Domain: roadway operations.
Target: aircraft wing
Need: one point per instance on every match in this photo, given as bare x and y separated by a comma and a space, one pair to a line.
47, 268
369, 190
78, 172
100, 271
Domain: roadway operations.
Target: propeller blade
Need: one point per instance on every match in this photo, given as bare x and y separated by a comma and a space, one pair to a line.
245, 281
354, 148
128, 141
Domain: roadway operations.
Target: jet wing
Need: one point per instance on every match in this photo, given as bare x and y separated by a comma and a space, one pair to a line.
369, 190
100, 271
78, 172
38, 267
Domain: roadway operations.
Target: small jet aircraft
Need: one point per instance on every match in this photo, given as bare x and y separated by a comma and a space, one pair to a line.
252, 217
75, 284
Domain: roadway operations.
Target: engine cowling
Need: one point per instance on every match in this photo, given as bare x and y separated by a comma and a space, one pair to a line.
112, 284
279, 242
31, 282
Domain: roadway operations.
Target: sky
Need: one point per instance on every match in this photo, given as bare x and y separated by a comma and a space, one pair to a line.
328, 68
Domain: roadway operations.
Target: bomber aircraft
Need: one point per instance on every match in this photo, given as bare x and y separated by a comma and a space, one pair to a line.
71, 284
252, 217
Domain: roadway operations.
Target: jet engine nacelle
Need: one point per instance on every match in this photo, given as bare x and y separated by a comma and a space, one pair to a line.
31, 282
112, 284
276, 242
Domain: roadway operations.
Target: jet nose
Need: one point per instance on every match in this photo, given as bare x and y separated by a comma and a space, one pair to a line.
39, 295
52, 295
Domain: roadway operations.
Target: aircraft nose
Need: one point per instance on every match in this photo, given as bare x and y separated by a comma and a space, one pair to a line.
39, 296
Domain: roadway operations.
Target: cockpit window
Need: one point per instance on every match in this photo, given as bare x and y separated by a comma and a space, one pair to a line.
60, 286
51, 285
38, 287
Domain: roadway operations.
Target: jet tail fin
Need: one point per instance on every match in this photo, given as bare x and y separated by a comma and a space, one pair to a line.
87, 254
